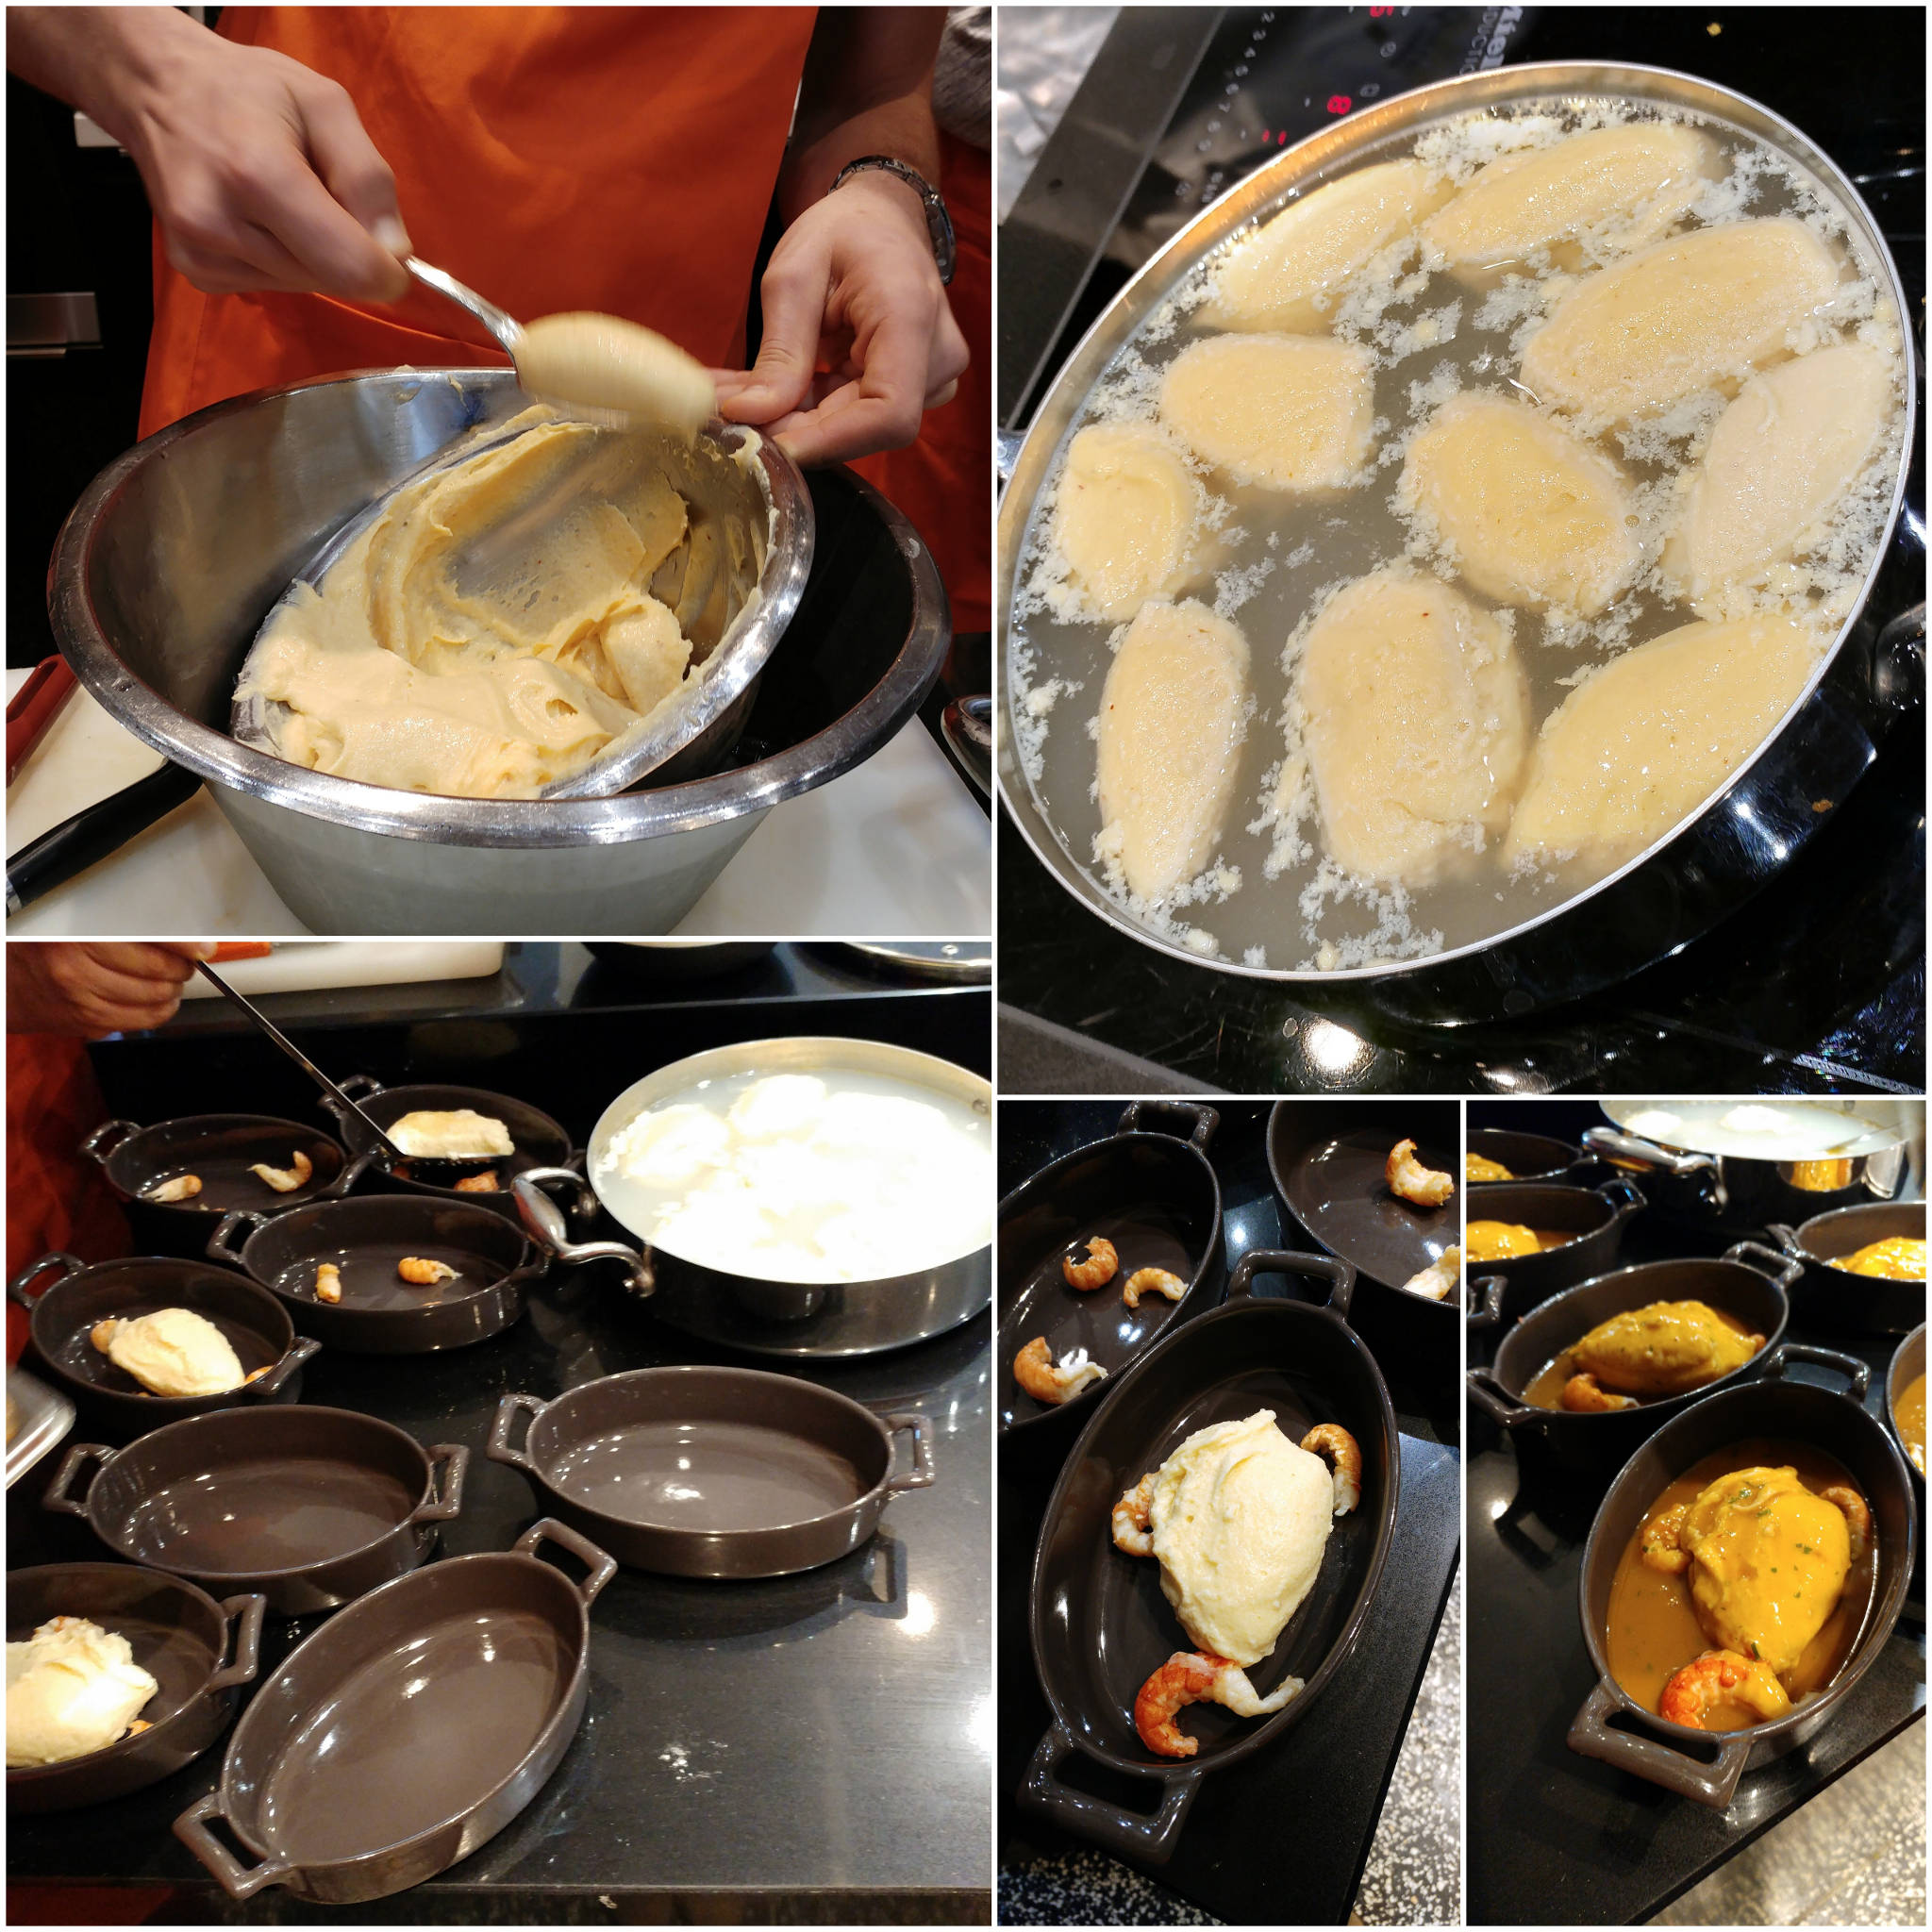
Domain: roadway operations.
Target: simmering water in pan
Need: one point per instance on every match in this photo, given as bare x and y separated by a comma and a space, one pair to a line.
833, 1175
1269, 900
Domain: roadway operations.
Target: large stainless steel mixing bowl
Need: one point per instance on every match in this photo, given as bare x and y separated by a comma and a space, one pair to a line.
167, 565
1738, 841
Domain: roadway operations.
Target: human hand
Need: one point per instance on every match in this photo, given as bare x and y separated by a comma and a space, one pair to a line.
96, 989
859, 340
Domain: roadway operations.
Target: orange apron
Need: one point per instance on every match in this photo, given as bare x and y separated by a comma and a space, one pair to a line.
552, 158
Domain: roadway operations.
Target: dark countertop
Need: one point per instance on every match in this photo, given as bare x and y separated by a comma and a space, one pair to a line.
811, 1748
1559, 1838
1337, 1764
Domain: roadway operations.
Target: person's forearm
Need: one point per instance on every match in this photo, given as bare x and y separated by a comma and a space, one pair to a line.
100, 59
867, 90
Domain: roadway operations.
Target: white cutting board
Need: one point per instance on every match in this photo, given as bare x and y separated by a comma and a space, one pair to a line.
307, 965
895, 849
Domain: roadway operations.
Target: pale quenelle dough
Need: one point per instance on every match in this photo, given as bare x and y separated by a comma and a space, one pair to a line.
1412, 708
603, 362
1126, 517
71, 1688
455, 1134
172, 1352
1533, 513
1290, 274
1172, 721
1782, 455
1287, 412
1617, 188
1239, 1518
1642, 742
408, 670
1696, 312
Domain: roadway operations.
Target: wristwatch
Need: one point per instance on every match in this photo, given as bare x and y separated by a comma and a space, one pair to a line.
938, 224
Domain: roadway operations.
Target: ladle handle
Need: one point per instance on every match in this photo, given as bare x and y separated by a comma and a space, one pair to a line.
1151, 1840
1713, 1784
259, 1019
505, 328
237, 1879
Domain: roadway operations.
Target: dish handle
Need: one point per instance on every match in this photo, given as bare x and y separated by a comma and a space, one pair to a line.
100, 1145
353, 1170
1713, 1784
1150, 1838
1199, 1121
1501, 1406
449, 1461
237, 1879
1784, 1269
244, 1615
544, 1220
1855, 1372
498, 1447
1487, 1313
1340, 1275
17, 1287
920, 1475
56, 1496
266, 1388
221, 1245
547, 1529
1623, 1194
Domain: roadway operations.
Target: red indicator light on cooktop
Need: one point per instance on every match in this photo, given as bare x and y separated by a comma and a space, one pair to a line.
1340, 103
1380, 12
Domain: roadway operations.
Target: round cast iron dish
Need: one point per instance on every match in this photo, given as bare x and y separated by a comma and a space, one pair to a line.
1596, 1217
1907, 1365
1602, 1438
788, 1318
61, 1318
1153, 1194
1857, 1303
1739, 1193
538, 1138
380, 1313
711, 1471
338, 1800
1737, 843
1675, 1755
220, 1148
310, 1507
1100, 1624
179, 1636
1531, 1157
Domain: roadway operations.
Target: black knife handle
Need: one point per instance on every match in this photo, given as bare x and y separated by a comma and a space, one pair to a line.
88, 835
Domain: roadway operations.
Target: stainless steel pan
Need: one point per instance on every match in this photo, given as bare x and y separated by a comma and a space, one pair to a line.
1742, 838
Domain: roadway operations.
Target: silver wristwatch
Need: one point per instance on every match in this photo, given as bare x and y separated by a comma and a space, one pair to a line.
938, 224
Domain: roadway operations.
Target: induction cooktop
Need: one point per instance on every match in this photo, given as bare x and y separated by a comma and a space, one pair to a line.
1818, 983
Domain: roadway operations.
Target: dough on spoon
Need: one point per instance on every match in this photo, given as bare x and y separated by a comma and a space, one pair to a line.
1413, 712
1533, 513
1126, 517
1617, 188
1642, 742
1172, 721
585, 360
1699, 311
1287, 412
1288, 275
1782, 455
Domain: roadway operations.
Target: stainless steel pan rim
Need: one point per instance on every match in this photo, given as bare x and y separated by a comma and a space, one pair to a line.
514, 823
1311, 164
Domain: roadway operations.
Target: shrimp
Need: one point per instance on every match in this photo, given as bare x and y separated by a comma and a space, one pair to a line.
1097, 1271
1663, 1542
1857, 1515
1582, 1394
1193, 1676
1426, 1185
1344, 1456
1435, 1282
412, 1268
1152, 1281
484, 1183
1716, 1675
1036, 1371
328, 1282
1131, 1520
285, 1180
184, 1186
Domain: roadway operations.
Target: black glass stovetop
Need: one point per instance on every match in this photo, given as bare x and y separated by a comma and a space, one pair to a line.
1818, 983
